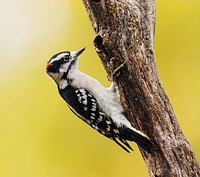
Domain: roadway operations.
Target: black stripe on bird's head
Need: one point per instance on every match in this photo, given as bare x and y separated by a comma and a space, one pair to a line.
61, 62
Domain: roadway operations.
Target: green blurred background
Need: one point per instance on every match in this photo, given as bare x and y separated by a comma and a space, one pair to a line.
39, 135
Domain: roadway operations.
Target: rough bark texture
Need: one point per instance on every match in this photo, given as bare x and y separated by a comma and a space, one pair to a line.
125, 32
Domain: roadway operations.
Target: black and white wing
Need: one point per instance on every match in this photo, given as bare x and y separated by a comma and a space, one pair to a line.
85, 106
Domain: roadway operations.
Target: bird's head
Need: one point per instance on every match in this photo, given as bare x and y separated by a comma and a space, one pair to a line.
61, 63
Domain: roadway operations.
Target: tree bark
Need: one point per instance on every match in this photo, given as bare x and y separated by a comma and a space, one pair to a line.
124, 32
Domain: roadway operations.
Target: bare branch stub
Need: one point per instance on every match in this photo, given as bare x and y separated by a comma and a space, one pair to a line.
125, 32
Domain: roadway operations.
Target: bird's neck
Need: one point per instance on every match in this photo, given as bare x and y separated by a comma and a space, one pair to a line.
68, 77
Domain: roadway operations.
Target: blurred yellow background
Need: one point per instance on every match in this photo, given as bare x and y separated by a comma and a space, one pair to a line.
39, 135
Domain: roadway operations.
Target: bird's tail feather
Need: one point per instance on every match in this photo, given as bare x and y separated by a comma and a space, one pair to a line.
122, 146
141, 140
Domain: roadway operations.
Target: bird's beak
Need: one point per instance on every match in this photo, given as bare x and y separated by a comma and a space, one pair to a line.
75, 54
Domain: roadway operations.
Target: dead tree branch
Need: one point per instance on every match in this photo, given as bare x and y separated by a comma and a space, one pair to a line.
125, 32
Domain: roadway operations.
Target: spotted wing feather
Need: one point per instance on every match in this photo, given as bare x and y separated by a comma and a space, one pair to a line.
87, 109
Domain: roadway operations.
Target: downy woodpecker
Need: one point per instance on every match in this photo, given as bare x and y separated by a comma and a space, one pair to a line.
96, 105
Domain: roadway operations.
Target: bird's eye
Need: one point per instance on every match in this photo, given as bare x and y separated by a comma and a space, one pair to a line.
66, 57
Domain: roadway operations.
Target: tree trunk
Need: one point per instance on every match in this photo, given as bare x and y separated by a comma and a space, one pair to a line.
125, 35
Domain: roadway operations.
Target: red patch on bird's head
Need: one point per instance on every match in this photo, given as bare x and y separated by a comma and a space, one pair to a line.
47, 65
